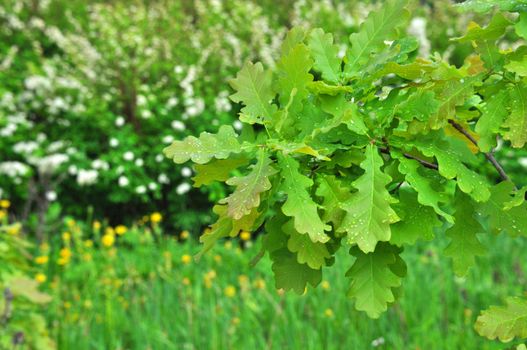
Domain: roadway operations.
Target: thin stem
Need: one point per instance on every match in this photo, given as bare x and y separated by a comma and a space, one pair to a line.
489, 156
425, 163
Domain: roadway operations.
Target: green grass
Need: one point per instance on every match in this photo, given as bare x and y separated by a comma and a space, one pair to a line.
137, 299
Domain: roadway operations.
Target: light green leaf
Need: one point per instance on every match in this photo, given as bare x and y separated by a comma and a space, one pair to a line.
492, 115
487, 5
325, 54
427, 195
493, 31
27, 288
417, 221
308, 252
374, 276
334, 195
249, 187
216, 170
521, 25
343, 112
299, 204
504, 322
450, 167
321, 88
295, 36
380, 26
518, 67
420, 105
225, 226
254, 90
464, 245
451, 93
517, 120
514, 220
368, 212
295, 147
208, 146
290, 274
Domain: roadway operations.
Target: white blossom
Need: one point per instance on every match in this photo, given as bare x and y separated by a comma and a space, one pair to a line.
139, 162
13, 169
51, 196
128, 155
140, 189
72, 170
163, 179
48, 164
183, 188
238, 125
186, 172
86, 177
152, 186
168, 139
172, 102
123, 181
119, 121
100, 164
146, 114
25, 147
114, 142
159, 158
523, 161
178, 125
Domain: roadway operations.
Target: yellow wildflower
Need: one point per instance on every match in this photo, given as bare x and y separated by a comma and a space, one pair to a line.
66, 236
186, 281
14, 230
228, 245
243, 280
235, 321
211, 274
217, 258
67, 305
108, 240
40, 278
3, 214
109, 231
86, 257
245, 235
230, 291
328, 313
71, 223
156, 217
4, 203
184, 234
88, 304
96, 225
65, 253
44, 247
186, 259
325, 285
41, 260
259, 283
88, 243
121, 230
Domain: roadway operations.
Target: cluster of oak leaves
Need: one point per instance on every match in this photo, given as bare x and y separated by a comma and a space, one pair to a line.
373, 152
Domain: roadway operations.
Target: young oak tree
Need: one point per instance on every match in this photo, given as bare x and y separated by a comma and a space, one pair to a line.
373, 152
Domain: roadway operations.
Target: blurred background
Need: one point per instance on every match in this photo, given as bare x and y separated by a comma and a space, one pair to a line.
99, 228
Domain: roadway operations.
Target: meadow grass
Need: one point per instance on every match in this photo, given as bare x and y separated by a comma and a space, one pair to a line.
146, 292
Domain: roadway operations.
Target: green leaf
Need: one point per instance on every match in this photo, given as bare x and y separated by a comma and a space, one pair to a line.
380, 26
325, 54
426, 194
420, 105
374, 276
452, 93
518, 67
28, 288
493, 31
504, 322
294, 77
225, 226
249, 187
368, 212
512, 221
321, 88
343, 112
417, 221
517, 120
487, 5
334, 195
253, 88
450, 167
464, 245
521, 26
308, 252
290, 274
299, 205
492, 116
216, 170
295, 36
208, 146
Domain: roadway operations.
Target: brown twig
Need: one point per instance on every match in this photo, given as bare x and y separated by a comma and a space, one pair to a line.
489, 156
425, 163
